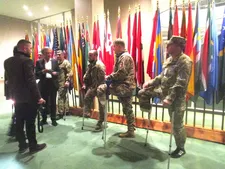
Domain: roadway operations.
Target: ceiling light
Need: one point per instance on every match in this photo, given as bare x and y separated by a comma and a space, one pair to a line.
25, 7
46, 8
30, 13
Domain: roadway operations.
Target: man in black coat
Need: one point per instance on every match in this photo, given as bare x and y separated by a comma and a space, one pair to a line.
47, 70
24, 91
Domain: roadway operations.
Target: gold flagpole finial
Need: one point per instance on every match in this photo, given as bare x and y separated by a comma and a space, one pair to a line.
136, 8
70, 22
139, 7
82, 19
86, 19
61, 24
129, 9
157, 4
66, 22
119, 11
104, 16
97, 17
170, 3
108, 13
175, 2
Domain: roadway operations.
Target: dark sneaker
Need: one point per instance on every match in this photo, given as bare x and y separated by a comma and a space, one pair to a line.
59, 116
54, 123
68, 113
44, 122
37, 148
23, 149
128, 134
179, 152
98, 127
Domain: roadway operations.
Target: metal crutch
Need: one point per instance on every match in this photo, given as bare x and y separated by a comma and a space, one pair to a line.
149, 123
82, 128
108, 82
170, 145
67, 98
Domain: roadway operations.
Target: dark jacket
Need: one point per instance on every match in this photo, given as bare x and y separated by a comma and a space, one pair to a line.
21, 82
40, 65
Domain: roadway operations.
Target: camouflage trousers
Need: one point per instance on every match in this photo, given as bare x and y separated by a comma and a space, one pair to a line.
178, 107
124, 95
63, 100
88, 103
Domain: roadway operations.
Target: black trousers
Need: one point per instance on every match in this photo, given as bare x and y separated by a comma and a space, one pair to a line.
49, 93
26, 114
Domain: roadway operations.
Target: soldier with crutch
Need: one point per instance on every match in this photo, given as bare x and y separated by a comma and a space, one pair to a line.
171, 87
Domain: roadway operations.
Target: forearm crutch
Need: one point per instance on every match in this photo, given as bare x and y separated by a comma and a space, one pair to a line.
82, 92
170, 145
149, 123
105, 113
67, 98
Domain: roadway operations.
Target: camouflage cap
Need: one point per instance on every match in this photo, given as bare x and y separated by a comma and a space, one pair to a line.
178, 40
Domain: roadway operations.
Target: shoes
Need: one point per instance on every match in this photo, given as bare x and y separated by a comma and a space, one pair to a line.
68, 113
98, 126
59, 116
37, 148
23, 149
128, 134
44, 122
87, 115
54, 123
179, 152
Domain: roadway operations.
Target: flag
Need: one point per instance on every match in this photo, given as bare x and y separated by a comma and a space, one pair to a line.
98, 42
80, 57
119, 26
212, 85
26, 37
170, 27
74, 60
36, 43
55, 42
183, 25
140, 60
197, 54
189, 52
128, 34
176, 22
152, 45
221, 73
158, 61
109, 54
83, 44
68, 44
48, 40
87, 45
134, 45
94, 37
62, 40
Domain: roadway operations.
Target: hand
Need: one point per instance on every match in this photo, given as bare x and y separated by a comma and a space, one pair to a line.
54, 73
145, 85
45, 70
66, 84
83, 87
166, 102
41, 101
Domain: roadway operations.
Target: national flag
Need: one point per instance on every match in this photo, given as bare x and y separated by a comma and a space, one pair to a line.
55, 42
152, 46
212, 85
128, 34
109, 54
26, 37
36, 43
74, 60
98, 42
134, 40
62, 40
189, 52
158, 56
94, 37
221, 73
68, 44
170, 27
197, 54
87, 45
83, 44
140, 60
119, 26
79, 57
183, 32
176, 22
48, 40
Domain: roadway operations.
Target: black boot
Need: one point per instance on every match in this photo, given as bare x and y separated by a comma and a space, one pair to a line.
179, 152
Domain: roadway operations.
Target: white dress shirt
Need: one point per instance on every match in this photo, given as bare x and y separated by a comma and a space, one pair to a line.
48, 65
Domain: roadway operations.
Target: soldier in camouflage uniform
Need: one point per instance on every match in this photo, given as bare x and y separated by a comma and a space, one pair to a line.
94, 76
64, 82
171, 86
123, 84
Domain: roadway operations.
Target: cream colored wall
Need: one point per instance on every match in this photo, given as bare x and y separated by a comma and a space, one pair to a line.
11, 31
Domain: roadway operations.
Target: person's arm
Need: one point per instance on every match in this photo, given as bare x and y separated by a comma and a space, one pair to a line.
69, 72
38, 70
30, 79
100, 76
182, 80
126, 64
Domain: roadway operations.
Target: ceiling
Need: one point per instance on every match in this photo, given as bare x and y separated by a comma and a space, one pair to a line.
14, 8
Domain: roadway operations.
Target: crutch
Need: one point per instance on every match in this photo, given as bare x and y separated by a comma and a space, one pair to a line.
67, 98
39, 123
108, 82
149, 123
170, 145
82, 92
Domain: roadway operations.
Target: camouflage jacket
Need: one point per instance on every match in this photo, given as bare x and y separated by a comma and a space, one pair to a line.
95, 75
124, 71
65, 72
174, 78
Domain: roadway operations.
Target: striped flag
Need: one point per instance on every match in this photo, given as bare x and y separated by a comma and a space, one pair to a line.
183, 25
176, 22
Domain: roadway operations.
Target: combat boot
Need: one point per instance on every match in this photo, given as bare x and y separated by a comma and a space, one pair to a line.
128, 134
99, 126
